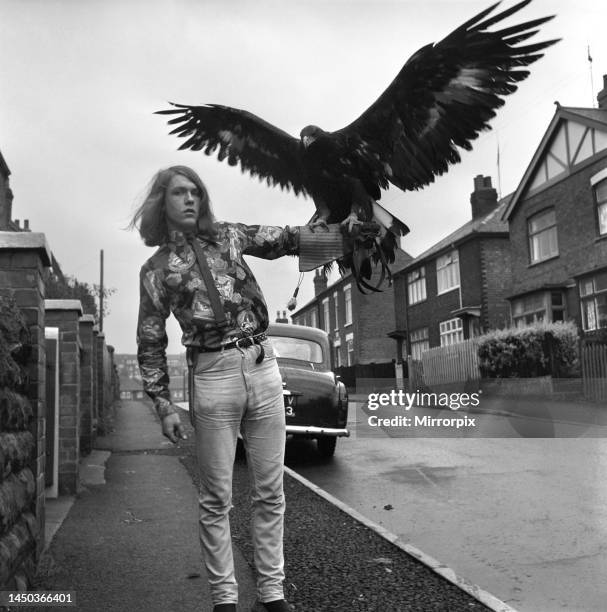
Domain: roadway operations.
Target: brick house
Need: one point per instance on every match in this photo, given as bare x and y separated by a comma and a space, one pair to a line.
131, 385
357, 324
558, 223
457, 288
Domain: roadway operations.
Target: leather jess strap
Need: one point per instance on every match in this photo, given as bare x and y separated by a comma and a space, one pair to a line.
209, 281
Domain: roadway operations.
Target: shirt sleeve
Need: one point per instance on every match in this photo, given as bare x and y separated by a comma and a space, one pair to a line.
152, 339
268, 241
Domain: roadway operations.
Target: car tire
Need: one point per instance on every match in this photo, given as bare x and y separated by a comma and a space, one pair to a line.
326, 446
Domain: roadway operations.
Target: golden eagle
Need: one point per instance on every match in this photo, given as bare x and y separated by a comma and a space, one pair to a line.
441, 99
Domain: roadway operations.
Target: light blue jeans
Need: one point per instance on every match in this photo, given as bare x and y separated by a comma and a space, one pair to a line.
234, 394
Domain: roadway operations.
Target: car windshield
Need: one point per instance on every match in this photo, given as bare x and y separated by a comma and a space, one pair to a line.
297, 348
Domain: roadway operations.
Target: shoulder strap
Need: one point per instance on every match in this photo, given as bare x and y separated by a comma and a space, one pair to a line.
207, 277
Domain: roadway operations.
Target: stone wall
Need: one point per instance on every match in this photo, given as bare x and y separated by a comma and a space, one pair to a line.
88, 419
23, 257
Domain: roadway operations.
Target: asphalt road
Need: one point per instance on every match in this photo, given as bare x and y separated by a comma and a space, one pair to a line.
518, 508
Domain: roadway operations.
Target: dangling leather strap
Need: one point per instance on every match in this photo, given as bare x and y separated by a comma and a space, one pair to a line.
209, 281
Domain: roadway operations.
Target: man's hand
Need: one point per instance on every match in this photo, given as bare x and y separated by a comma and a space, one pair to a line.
172, 427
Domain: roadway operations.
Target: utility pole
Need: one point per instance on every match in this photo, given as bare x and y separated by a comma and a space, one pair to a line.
101, 290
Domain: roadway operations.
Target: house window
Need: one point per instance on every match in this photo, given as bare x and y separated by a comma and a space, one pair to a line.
326, 324
542, 236
313, 319
537, 307
350, 349
336, 307
337, 354
593, 292
419, 342
600, 194
451, 331
348, 303
447, 271
416, 285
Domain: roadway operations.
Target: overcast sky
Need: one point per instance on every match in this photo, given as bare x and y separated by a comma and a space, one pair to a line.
79, 81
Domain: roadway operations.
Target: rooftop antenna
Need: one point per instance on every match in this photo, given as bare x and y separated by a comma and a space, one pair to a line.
591, 79
499, 172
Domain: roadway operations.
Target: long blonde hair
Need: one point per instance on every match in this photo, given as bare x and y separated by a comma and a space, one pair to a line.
150, 218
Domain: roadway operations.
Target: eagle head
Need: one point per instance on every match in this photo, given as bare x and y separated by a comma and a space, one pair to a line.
309, 134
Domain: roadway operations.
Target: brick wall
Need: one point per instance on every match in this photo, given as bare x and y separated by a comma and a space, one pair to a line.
88, 422
23, 257
496, 282
579, 250
375, 318
434, 309
107, 386
470, 273
65, 315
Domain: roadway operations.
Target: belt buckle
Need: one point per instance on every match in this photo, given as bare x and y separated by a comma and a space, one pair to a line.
237, 342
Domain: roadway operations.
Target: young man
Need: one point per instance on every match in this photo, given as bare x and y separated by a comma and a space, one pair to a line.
238, 387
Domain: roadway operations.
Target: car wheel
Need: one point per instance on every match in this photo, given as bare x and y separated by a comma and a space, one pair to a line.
326, 446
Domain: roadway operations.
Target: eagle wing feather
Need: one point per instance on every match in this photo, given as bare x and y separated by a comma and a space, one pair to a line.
240, 137
445, 95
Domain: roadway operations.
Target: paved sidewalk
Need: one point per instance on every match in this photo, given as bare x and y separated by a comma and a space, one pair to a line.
132, 543
129, 541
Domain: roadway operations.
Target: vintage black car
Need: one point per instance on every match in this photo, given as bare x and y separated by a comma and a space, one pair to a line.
316, 401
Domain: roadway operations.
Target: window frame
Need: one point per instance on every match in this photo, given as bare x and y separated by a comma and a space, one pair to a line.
533, 235
457, 331
600, 206
350, 349
546, 305
442, 271
348, 304
416, 344
326, 314
416, 286
336, 310
592, 297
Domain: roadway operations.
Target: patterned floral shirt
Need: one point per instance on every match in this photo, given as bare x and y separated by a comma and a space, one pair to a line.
170, 281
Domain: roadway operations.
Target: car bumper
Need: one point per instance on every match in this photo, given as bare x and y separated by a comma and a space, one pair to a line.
318, 431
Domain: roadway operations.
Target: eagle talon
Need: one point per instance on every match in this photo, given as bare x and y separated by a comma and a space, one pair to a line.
350, 220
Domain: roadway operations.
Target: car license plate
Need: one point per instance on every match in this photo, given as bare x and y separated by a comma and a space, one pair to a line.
290, 404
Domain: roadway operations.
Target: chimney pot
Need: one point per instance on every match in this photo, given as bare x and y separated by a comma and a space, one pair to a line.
484, 197
320, 282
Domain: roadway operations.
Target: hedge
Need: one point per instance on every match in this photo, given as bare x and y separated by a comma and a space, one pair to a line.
537, 350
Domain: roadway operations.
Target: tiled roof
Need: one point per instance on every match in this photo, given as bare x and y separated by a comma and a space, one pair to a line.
489, 224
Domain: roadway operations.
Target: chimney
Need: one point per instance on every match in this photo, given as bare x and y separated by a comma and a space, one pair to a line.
602, 95
484, 196
282, 319
320, 282
26, 225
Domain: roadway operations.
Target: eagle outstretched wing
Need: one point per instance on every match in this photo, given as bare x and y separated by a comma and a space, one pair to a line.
444, 96
440, 101
242, 138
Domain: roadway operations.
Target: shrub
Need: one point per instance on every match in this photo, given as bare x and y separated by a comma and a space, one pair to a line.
537, 350
14, 345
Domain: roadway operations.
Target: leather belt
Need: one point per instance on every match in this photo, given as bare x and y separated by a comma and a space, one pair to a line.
241, 343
